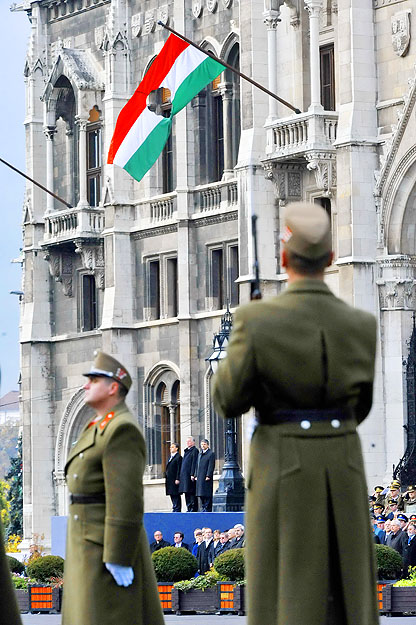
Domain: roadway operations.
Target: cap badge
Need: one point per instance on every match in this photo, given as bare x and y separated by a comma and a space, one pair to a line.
287, 234
120, 373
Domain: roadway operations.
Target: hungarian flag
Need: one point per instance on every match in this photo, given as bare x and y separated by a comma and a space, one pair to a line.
140, 134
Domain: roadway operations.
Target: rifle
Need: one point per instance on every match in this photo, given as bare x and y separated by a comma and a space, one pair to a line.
255, 292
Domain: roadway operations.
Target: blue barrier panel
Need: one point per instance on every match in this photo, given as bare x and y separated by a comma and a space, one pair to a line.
167, 522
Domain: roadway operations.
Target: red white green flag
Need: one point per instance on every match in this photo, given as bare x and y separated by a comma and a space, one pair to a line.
141, 134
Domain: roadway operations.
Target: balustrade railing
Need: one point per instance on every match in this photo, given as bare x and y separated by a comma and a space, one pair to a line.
215, 196
68, 224
307, 131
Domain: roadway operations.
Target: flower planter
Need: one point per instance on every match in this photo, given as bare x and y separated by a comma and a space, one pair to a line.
231, 597
397, 600
165, 594
22, 597
43, 598
195, 600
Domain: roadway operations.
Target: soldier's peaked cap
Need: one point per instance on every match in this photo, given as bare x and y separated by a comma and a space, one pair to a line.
307, 230
395, 484
108, 367
378, 489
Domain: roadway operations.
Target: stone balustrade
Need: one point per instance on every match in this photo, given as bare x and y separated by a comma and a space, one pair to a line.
215, 196
72, 223
295, 135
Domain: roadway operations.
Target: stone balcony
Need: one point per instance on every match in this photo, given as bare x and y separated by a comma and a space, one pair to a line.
74, 223
294, 137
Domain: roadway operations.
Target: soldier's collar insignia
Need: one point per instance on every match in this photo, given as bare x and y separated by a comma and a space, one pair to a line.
106, 420
94, 421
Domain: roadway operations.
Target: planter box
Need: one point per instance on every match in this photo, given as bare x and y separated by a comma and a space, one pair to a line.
195, 600
165, 594
22, 597
43, 598
231, 597
399, 600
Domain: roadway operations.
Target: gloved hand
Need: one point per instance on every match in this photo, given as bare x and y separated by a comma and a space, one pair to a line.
123, 575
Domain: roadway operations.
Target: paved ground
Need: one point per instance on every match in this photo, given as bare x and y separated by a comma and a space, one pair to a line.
224, 619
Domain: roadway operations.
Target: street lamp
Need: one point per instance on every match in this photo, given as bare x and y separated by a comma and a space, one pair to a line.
229, 496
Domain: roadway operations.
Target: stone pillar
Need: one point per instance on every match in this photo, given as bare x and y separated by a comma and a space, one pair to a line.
82, 160
314, 8
49, 134
226, 91
271, 19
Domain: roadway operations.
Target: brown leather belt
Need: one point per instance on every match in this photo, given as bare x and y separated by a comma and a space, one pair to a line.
298, 415
99, 498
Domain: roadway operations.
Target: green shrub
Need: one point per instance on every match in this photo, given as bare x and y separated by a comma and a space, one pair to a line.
45, 567
411, 579
230, 565
389, 562
22, 583
173, 564
15, 565
209, 580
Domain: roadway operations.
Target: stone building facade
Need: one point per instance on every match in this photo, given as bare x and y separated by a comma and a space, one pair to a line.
145, 270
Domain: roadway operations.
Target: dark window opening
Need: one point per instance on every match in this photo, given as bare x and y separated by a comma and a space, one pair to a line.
94, 166
168, 179
89, 303
233, 276
217, 278
154, 288
172, 286
218, 138
327, 77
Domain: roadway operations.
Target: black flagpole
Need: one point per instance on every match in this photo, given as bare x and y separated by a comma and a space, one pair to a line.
36, 183
230, 67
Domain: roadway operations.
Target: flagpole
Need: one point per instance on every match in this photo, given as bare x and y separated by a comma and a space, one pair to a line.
36, 183
230, 67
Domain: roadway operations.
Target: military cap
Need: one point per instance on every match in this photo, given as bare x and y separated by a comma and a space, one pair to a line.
393, 501
307, 230
412, 517
411, 488
108, 367
378, 489
380, 519
402, 517
395, 484
378, 506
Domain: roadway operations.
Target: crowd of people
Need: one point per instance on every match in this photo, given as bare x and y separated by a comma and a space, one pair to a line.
207, 544
394, 520
191, 475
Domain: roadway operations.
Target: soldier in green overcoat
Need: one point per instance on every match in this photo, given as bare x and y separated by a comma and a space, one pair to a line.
109, 577
305, 361
9, 613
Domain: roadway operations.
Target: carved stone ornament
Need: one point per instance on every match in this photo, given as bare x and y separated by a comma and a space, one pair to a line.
149, 21
163, 14
227, 3
136, 24
197, 8
287, 181
397, 284
212, 5
92, 258
400, 32
324, 167
61, 268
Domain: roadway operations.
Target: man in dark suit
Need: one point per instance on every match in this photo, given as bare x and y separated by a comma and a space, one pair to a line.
158, 543
187, 482
205, 555
409, 552
204, 476
178, 541
239, 541
172, 473
223, 545
305, 360
398, 538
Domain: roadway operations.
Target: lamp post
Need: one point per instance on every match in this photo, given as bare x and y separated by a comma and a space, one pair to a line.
229, 497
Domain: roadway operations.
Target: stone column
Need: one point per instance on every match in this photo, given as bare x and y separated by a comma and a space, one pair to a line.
271, 19
226, 91
82, 161
49, 134
314, 8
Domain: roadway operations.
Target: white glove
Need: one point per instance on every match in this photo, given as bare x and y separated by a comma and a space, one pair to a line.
123, 575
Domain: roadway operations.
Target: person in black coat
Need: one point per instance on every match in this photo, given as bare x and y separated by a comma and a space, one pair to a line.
409, 551
187, 482
204, 476
172, 473
205, 555
223, 545
159, 543
178, 541
398, 538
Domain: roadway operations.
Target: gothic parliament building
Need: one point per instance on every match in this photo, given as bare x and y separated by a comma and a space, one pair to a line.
146, 270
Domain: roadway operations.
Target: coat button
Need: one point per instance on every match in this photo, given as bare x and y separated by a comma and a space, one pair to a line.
81, 455
305, 425
76, 517
335, 423
75, 476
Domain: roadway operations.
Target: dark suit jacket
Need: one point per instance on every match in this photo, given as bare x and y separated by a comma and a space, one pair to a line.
205, 468
172, 473
188, 469
397, 541
238, 543
409, 556
205, 556
156, 546
184, 546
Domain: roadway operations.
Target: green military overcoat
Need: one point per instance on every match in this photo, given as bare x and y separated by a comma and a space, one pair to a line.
304, 349
109, 458
9, 613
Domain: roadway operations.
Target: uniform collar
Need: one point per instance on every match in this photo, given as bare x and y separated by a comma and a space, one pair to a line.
309, 284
